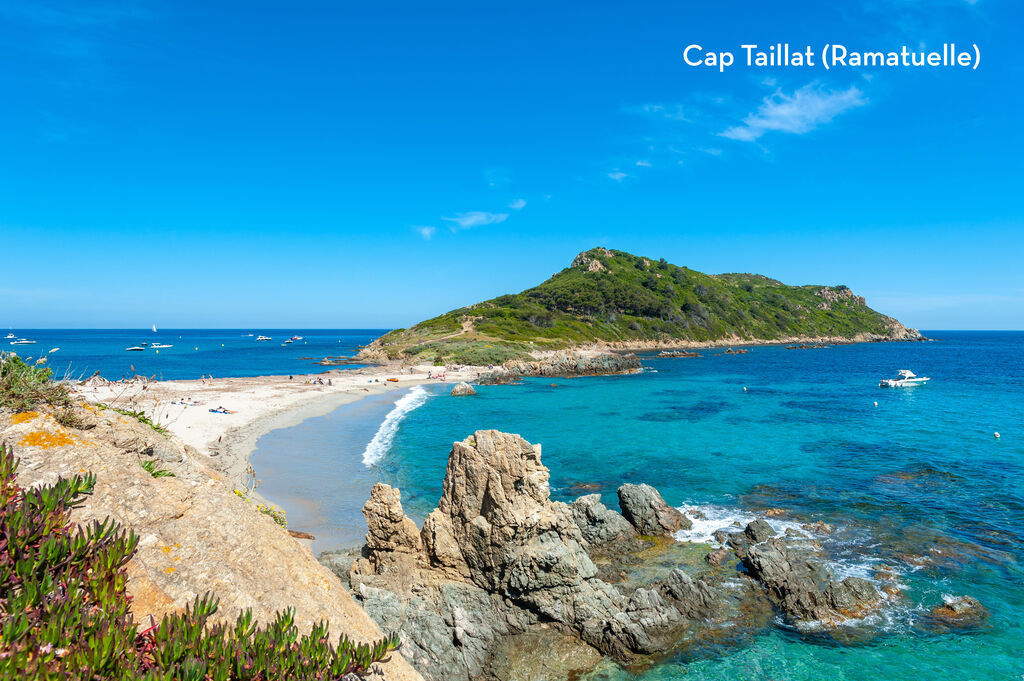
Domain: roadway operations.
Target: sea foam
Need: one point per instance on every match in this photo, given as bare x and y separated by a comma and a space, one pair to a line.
385, 435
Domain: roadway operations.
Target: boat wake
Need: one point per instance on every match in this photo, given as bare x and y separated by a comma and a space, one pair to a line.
385, 435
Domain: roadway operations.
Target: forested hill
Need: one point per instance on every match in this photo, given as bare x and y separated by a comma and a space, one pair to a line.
622, 299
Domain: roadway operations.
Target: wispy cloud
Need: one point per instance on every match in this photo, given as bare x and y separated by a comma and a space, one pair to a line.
475, 218
618, 175
671, 112
518, 204
426, 231
799, 113
643, 164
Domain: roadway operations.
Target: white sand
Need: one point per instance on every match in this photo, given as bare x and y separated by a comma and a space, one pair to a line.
259, 405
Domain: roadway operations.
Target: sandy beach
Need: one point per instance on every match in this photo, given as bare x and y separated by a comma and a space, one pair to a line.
254, 405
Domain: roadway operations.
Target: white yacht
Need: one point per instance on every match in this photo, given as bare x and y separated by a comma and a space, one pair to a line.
9, 336
161, 345
905, 379
264, 338
22, 341
135, 348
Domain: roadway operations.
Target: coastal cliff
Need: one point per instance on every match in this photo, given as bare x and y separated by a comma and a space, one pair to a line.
610, 299
196, 535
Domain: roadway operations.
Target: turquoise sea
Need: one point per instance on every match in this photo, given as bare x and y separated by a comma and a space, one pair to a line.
193, 352
918, 482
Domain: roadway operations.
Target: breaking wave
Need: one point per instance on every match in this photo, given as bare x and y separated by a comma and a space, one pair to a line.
385, 435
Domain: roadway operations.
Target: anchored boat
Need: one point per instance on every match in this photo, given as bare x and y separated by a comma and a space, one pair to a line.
906, 379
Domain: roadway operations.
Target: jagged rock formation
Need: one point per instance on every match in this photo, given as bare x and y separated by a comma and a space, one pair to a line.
499, 557
195, 534
499, 572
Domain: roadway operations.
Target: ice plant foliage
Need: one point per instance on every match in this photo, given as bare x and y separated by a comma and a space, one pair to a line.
64, 613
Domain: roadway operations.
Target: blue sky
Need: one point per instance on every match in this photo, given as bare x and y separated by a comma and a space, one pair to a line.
336, 164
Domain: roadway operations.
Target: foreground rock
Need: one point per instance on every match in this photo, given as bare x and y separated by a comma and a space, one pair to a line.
463, 388
958, 612
501, 562
565, 363
195, 534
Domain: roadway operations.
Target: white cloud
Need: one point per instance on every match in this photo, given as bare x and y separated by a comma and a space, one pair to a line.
618, 175
518, 204
475, 218
426, 231
643, 164
801, 112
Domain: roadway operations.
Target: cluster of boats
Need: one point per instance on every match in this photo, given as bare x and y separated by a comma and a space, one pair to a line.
269, 338
19, 341
152, 346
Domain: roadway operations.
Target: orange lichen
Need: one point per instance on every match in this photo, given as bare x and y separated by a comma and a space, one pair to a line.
24, 416
41, 438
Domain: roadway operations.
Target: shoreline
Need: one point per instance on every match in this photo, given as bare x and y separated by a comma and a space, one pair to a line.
257, 405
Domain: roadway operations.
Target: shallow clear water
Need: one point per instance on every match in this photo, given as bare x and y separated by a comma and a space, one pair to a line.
220, 352
917, 482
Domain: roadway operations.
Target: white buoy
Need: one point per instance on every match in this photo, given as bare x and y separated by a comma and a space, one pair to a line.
744, 388
996, 434
876, 404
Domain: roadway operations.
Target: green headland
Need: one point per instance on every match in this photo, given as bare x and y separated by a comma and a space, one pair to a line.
615, 299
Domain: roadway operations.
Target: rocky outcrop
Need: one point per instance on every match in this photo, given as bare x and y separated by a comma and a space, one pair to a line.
643, 506
195, 534
804, 588
565, 363
498, 557
599, 524
463, 388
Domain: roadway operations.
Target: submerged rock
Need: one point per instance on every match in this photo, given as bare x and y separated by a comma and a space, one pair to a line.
643, 506
958, 612
462, 388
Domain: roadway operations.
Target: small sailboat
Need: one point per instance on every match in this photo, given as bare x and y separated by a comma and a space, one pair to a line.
154, 328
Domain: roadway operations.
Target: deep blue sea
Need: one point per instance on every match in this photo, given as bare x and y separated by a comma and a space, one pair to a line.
917, 482
194, 352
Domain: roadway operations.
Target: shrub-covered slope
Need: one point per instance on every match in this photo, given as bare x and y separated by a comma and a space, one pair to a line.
618, 298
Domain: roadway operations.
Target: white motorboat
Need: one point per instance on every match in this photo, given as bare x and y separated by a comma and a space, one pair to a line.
295, 338
161, 345
22, 341
287, 341
9, 336
135, 348
264, 338
906, 379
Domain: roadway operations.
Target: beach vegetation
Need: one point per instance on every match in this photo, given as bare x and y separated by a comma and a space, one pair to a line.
139, 416
276, 514
149, 466
25, 385
65, 613
613, 296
